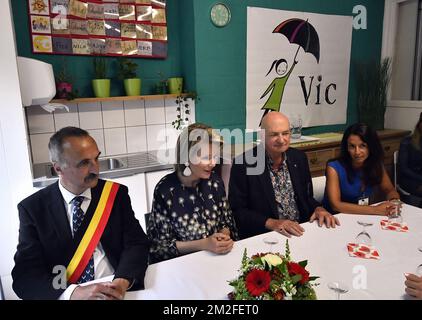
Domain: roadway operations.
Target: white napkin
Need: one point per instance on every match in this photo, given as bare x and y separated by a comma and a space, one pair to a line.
50, 107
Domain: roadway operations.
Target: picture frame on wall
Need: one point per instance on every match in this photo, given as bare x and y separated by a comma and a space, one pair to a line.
136, 28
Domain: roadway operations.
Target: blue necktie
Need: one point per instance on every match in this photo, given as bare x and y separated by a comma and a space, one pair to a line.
78, 216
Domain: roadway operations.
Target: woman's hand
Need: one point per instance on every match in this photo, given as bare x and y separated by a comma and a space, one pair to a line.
219, 243
225, 231
385, 208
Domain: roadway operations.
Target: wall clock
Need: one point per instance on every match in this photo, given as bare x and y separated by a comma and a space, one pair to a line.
220, 15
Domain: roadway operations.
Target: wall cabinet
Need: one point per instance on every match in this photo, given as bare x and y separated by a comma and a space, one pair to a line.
137, 194
152, 178
141, 191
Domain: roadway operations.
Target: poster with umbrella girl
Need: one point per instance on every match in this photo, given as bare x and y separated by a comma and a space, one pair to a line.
303, 34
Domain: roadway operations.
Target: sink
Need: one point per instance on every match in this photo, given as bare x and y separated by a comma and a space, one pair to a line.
108, 164
114, 167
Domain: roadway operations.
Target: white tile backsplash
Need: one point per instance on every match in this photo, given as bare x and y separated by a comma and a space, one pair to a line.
115, 141
155, 113
39, 146
39, 120
136, 139
192, 116
62, 118
113, 114
98, 135
118, 127
171, 109
90, 115
172, 135
134, 113
156, 137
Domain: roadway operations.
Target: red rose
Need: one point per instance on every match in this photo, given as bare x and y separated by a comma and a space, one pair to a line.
295, 268
258, 281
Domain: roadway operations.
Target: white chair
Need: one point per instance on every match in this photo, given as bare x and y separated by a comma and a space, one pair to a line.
318, 184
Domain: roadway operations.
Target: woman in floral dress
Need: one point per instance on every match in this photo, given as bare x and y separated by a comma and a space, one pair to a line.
190, 211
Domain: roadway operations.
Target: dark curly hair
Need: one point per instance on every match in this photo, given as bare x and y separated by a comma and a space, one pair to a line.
373, 165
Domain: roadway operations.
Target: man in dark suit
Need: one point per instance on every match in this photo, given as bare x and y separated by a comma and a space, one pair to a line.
50, 233
280, 195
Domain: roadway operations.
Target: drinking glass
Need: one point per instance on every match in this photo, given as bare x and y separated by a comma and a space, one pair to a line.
363, 237
270, 240
395, 215
338, 287
296, 127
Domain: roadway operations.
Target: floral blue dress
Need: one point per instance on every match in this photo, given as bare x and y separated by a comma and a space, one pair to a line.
181, 213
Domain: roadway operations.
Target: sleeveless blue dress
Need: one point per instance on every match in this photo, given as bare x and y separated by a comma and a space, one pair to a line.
350, 192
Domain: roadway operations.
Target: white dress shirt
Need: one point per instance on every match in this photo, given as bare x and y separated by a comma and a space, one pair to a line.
102, 266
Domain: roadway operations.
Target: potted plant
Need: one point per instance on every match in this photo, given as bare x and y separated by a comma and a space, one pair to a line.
183, 111
175, 85
372, 86
127, 73
100, 84
63, 82
161, 86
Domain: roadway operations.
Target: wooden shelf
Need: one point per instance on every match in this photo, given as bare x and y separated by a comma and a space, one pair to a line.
122, 98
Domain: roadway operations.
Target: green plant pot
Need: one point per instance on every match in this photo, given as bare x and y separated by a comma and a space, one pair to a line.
175, 85
133, 86
101, 88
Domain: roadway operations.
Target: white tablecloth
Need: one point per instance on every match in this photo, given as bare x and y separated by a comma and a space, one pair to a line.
204, 275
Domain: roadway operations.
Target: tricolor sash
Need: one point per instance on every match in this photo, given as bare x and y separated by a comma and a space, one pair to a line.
93, 233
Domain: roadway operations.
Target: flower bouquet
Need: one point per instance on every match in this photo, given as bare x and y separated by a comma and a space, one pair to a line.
271, 276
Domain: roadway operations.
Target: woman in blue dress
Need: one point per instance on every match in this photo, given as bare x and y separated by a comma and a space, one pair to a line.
353, 176
190, 211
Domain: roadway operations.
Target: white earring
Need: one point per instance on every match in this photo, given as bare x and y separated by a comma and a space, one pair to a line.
187, 172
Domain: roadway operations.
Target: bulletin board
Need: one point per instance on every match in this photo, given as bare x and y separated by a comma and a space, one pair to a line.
135, 28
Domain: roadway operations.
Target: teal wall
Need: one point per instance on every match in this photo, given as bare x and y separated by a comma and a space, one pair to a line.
213, 60
221, 55
81, 67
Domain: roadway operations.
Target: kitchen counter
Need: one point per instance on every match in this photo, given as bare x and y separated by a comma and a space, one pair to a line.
110, 167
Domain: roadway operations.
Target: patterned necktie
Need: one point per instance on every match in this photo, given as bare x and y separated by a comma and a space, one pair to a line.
78, 216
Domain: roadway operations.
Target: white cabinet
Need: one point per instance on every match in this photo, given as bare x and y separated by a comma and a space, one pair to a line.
141, 191
152, 178
137, 194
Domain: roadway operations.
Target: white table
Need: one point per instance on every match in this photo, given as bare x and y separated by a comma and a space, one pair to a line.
203, 275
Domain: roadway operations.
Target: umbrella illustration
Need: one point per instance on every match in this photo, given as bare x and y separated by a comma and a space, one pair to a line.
303, 34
